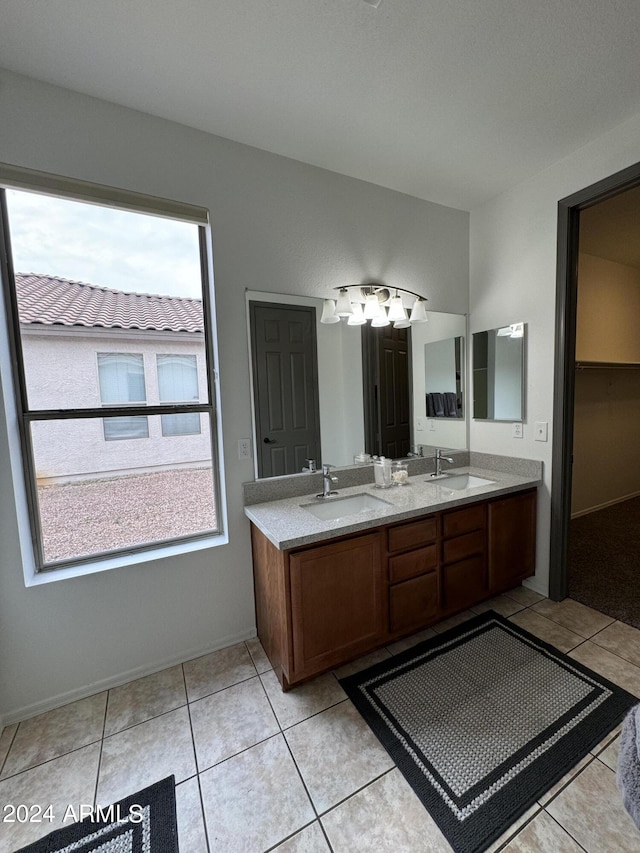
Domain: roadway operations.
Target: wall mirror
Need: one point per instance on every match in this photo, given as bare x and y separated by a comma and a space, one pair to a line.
444, 377
307, 385
498, 373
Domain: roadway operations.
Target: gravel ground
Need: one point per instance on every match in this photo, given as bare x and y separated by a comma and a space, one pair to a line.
99, 515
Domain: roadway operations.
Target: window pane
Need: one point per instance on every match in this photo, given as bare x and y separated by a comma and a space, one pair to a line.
96, 496
186, 423
121, 377
177, 378
121, 428
103, 275
177, 383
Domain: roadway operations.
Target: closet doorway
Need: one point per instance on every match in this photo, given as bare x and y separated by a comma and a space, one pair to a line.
595, 534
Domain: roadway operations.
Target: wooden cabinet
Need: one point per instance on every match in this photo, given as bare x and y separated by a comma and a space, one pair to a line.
414, 591
320, 606
337, 609
512, 540
464, 566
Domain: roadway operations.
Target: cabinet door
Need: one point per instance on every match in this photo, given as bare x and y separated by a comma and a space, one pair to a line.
512, 540
337, 604
464, 583
413, 603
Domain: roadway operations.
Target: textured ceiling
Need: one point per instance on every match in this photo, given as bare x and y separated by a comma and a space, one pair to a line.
448, 100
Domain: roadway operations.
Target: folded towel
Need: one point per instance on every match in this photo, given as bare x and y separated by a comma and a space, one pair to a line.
628, 772
450, 404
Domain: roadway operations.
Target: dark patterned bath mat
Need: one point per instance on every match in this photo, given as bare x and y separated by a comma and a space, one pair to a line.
482, 720
142, 823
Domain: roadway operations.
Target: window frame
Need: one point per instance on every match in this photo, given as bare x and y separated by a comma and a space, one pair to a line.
106, 197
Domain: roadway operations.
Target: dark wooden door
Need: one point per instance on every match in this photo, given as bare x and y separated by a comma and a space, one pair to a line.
285, 377
386, 368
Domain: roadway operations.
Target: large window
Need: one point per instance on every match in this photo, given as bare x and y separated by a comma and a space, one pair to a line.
111, 343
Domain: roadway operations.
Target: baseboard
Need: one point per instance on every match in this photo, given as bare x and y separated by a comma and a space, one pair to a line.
530, 583
615, 501
20, 714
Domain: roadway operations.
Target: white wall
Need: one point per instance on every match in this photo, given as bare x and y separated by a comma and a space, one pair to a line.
513, 278
608, 311
277, 225
606, 451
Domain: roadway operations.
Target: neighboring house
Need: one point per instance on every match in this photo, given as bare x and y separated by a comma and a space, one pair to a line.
86, 346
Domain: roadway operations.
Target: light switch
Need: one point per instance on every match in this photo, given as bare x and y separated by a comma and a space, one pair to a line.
420, 424
542, 429
432, 425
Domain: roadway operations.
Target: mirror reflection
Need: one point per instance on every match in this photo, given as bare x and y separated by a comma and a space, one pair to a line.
498, 373
443, 367
308, 394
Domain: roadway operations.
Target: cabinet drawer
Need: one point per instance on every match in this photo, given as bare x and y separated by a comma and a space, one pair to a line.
463, 546
412, 535
415, 563
465, 583
413, 603
463, 520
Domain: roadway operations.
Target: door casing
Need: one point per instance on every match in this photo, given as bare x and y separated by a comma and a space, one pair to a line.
564, 375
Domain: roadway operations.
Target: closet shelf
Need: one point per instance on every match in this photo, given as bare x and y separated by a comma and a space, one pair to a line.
608, 365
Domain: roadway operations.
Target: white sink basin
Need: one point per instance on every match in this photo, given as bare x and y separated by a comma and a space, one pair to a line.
329, 509
459, 482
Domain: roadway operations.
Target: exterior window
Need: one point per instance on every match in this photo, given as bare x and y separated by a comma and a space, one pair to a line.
178, 381
121, 378
117, 293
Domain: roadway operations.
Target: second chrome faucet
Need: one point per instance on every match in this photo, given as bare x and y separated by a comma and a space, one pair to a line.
439, 459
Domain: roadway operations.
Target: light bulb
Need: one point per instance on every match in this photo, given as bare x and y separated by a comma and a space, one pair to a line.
397, 310
371, 306
418, 312
343, 306
356, 318
381, 320
329, 312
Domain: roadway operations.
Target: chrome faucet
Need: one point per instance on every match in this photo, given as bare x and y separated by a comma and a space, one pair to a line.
310, 467
439, 459
327, 479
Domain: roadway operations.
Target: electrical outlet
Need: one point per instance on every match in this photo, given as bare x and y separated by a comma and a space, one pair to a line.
517, 430
244, 448
432, 425
542, 430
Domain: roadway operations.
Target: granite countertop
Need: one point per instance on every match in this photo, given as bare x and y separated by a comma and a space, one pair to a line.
288, 524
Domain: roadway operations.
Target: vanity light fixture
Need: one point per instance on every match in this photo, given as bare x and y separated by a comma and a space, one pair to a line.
374, 302
515, 330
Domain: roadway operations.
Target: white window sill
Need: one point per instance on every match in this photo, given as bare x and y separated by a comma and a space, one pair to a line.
33, 578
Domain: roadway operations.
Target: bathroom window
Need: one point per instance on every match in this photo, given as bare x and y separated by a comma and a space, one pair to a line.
111, 341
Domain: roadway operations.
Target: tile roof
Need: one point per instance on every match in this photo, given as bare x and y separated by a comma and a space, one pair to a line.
53, 301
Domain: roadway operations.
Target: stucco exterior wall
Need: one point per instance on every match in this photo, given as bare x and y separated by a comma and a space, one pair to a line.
61, 369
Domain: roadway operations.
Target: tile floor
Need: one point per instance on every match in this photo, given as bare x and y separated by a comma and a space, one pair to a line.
259, 770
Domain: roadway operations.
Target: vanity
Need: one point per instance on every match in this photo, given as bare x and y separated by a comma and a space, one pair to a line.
331, 589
